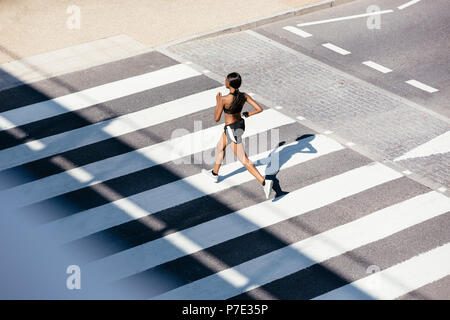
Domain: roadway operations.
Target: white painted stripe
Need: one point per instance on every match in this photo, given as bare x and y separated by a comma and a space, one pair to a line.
99, 131
298, 31
336, 48
421, 86
397, 280
82, 99
377, 66
178, 192
246, 220
231, 135
407, 4
139, 159
35, 145
316, 249
17, 133
438, 145
344, 18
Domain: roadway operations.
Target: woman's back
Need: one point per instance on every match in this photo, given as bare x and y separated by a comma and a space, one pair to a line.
233, 104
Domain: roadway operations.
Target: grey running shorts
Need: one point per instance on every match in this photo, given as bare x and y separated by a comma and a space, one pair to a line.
235, 130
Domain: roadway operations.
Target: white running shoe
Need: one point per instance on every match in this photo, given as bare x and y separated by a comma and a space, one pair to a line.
268, 188
210, 175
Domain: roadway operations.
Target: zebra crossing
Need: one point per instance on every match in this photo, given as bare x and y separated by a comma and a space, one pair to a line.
112, 171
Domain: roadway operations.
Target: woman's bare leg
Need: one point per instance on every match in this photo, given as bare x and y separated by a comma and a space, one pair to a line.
221, 145
238, 150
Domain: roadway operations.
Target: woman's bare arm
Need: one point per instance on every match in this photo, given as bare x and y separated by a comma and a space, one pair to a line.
219, 107
254, 104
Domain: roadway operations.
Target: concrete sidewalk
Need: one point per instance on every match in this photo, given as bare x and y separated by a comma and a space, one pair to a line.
31, 27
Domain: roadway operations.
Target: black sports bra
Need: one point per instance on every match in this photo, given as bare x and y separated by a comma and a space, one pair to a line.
236, 106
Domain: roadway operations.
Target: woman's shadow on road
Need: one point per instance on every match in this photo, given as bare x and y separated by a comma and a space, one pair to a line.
277, 158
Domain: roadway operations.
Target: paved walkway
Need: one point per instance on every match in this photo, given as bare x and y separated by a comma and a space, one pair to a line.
30, 27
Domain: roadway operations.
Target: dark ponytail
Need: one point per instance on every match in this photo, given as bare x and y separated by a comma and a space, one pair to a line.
235, 80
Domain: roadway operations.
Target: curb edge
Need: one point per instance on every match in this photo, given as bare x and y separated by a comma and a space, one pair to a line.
257, 22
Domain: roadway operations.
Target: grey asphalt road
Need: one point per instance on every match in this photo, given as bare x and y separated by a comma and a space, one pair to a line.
413, 42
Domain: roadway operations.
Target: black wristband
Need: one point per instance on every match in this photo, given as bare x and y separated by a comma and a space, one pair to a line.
245, 114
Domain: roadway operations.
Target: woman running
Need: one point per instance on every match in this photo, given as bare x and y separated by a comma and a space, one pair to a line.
231, 105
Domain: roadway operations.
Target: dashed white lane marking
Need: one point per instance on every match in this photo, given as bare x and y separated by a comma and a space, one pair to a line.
336, 49
406, 5
300, 118
298, 31
377, 66
421, 85
344, 18
438, 145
